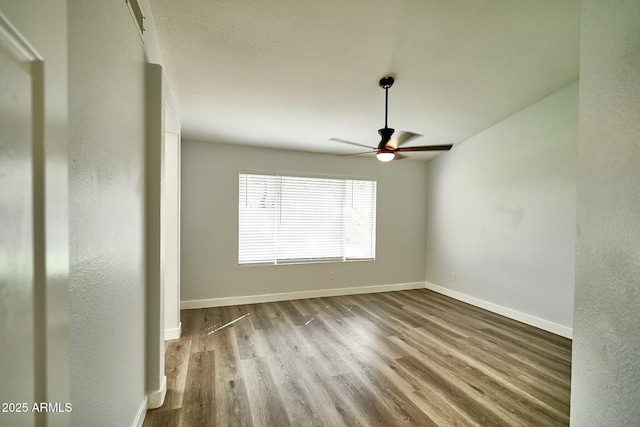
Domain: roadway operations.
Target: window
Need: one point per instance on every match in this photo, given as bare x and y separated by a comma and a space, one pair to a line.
290, 219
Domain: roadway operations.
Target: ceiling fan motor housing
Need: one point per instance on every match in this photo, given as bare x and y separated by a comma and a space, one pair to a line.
385, 133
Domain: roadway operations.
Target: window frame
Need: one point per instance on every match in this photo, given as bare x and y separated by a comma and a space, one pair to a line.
295, 261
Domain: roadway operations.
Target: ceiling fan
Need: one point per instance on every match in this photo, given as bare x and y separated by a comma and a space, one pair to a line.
390, 148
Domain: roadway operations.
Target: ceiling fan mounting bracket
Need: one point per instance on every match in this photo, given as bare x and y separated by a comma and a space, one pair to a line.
386, 82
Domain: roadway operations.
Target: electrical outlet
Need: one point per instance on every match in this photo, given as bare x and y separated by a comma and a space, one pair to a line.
453, 276
331, 275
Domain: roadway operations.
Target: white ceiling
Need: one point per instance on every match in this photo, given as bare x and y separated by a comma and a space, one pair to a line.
294, 73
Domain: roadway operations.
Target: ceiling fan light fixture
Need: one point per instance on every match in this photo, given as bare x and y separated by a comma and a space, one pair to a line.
386, 156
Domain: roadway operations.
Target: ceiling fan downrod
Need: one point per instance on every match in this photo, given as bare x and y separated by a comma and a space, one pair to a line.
385, 83
385, 154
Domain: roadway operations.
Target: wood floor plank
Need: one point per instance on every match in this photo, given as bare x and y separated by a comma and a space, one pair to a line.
232, 404
440, 409
198, 406
284, 338
261, 316
305, 307
390, 393
247, 339
319, 333
333, 307
555, 357
306, 371
434, 367
196, 329
505, 396
507, 372
387, 315
281, 367
301, 407
405, 358
233, 313
546, 362
386, 324
358, 340
266, 405
370, 409
504, 393
459, 394
176, 366
290, 312
168, 418
330, 361
226, 355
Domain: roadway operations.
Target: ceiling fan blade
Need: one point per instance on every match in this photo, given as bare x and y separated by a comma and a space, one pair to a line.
405, 137
352, 143
355, 154
426, 148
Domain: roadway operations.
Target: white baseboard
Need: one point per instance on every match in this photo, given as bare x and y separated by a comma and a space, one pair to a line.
504, 311
173, 333
142, 412
254, 299
155, 399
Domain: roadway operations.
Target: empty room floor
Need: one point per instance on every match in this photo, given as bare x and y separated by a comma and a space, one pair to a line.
405, 358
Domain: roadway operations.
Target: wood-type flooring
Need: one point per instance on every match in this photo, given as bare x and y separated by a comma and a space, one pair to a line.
406, 358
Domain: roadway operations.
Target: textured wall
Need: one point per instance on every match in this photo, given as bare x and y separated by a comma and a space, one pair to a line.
606, 367
44, 25
209, 223
501, 211
106, 290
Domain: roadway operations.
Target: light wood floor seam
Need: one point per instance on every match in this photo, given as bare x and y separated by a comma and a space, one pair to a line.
403, 358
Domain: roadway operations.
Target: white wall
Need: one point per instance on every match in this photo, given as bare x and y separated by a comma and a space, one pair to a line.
171, 230
34, 272
106, 152
605, 388
501, 212
209, 223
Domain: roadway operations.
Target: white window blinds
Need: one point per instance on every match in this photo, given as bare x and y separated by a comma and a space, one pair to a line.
289, 219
